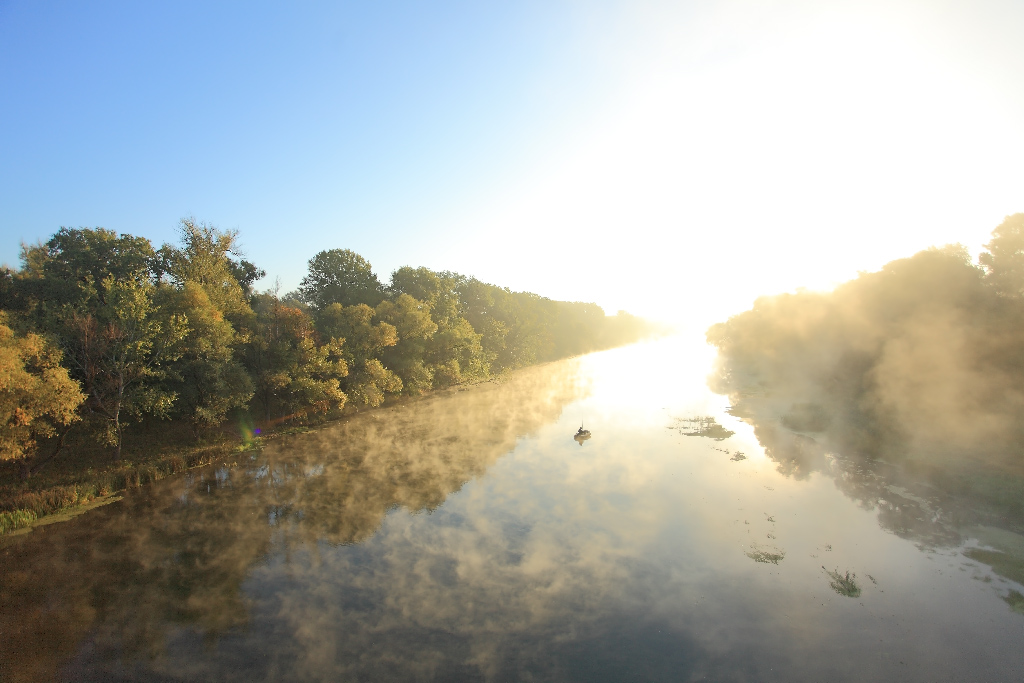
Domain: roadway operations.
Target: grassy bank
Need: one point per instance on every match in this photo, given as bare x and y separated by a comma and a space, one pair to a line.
88, 474
85, 476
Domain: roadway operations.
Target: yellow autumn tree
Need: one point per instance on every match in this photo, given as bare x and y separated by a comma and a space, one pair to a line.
36, 395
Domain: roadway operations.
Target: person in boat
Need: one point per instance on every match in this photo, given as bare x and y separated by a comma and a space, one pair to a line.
581, 435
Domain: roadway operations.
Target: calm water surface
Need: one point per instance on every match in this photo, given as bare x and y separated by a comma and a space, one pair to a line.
469, 537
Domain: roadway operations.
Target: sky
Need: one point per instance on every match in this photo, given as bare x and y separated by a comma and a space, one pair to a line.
673, 159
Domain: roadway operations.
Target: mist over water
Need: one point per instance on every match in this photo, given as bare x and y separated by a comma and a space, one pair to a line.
468, 537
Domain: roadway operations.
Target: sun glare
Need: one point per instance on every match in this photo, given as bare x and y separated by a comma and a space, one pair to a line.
834, 147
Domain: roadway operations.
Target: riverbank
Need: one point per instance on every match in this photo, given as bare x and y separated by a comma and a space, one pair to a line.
85, 477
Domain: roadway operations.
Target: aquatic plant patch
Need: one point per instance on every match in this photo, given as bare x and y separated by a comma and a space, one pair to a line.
766, 555
844, 584
705, 426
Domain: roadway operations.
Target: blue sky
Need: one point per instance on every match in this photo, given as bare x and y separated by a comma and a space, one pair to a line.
629, 153
335, 120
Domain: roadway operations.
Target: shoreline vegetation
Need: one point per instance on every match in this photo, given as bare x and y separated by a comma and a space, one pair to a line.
86, 478
121, 364
906, 386
919, 363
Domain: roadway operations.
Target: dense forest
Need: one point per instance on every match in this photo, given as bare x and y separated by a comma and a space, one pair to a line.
914, 373
102, 334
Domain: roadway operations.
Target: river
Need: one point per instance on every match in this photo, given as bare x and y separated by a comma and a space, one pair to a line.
468, 536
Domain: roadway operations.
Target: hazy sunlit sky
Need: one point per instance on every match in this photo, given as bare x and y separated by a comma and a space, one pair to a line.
673, 159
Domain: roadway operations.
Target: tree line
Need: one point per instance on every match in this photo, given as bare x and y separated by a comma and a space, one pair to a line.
921, 361
102, 332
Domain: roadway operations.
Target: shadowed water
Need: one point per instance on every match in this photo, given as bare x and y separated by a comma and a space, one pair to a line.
470, 537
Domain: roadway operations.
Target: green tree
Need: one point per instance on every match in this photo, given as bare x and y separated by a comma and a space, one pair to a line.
213, 294
1004, 261
455, 354
515, 327
206, 378
246, 274
369, 380
71, 266
9, 295
94, 292
340, 276
292, 376
480, 301
204, 258
120, 347
316, 375
576, 327
411, 320
37, 398
437, 290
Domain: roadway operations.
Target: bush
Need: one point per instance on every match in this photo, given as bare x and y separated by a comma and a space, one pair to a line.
16, 519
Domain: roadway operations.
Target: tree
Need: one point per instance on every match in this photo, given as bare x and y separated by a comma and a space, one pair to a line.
340, 276
9, 295
576, 327
37, 398
411, 320
205, 259
293, 377
212, 292
436, 290
1004, 261
516, 328
455, 354
206, 378
71, 267
316, 375
478, 301
120, 347
246, 274
364, 342
94, 292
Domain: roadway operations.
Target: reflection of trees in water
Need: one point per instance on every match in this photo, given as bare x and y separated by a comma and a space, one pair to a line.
125, 575
411, 458
928, 502
937, 502
177, 554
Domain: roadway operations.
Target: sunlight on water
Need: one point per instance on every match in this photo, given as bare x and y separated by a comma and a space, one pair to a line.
468, 536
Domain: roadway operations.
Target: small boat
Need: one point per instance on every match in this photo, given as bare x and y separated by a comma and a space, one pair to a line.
581, 435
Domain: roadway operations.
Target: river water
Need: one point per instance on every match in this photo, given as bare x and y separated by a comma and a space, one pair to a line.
468, 537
